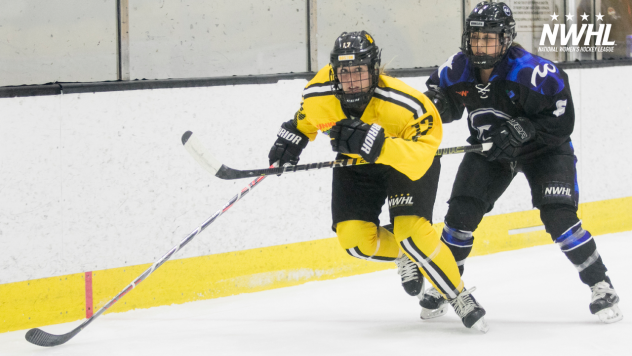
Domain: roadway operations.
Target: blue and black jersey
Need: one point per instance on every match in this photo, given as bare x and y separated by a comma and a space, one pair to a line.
522, 84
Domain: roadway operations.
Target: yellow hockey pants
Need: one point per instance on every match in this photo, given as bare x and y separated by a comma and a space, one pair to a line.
413, 236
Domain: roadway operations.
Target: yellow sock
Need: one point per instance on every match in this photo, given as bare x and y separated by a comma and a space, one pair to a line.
362, 239
421, 242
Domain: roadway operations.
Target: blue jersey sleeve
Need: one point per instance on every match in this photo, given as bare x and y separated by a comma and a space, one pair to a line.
455, 70
544, 95
536, 73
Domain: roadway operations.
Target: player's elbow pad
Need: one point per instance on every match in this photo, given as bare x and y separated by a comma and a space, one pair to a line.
446, 108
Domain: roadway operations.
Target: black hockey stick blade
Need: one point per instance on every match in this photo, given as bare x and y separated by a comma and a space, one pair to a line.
42, 338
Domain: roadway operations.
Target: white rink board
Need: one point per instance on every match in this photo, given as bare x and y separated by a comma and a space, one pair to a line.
100, 180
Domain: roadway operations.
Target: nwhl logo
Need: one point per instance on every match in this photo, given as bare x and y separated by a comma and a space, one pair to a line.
558, 189
397, 201
572, 35
559, 193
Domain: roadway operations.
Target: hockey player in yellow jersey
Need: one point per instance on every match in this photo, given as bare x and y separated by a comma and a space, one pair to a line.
380, 119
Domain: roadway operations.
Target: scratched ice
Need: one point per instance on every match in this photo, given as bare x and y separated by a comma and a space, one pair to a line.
535, 305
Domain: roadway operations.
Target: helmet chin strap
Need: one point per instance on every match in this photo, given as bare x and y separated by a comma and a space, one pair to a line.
484, 61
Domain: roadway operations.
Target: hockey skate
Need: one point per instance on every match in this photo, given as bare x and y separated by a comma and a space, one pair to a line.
433, 304
471, 313
605, 303
412, 279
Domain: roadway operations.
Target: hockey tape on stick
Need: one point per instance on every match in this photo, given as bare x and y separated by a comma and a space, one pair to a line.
208, 162
39, 337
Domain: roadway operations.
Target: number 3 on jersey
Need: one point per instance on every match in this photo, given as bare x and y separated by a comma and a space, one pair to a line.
546, 68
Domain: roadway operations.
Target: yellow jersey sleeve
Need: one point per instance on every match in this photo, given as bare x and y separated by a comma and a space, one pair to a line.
410, 120
412, 125
320, 110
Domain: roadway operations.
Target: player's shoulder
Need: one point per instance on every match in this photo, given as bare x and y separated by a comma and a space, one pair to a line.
395, 93
534, 72
320, 85
397, 85
456, 69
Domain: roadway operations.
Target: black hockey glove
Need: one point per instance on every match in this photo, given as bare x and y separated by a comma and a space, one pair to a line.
288, 146
355, 136
509, 139
444, 105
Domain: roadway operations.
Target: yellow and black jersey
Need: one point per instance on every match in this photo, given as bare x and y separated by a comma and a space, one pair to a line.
411, 122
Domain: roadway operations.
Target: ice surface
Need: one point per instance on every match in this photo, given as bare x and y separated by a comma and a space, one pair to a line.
535, 305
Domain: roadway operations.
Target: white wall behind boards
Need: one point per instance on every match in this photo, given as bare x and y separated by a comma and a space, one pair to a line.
101, 180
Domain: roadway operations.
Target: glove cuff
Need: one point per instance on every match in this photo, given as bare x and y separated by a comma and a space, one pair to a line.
373, 142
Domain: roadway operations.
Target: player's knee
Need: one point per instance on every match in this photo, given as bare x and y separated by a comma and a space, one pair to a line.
465, 213
357, 233
417, 229
558, 218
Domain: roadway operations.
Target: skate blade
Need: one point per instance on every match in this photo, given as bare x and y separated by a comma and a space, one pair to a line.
481, 325
434, 313
610, 315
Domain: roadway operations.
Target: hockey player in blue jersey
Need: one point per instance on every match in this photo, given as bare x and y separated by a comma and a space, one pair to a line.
522, 104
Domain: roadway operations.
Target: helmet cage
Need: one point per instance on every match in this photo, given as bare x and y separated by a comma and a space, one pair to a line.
486, 61
488, 17
360, 52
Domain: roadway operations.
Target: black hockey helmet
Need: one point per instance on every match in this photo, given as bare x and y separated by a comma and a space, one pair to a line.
354, 49
489, 17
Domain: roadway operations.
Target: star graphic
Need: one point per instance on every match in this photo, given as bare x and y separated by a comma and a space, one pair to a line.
584, 17
569, 17
554, 17
600, 17
447, 63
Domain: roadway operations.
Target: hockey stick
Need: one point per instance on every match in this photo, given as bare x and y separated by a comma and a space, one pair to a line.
42, 338
206, 160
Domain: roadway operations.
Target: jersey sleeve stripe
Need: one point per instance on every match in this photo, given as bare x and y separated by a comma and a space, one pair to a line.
407, 101
325, 84
317, 90
406, 95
